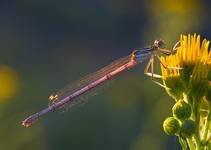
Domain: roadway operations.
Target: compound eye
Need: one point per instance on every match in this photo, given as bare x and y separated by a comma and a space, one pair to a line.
159, 43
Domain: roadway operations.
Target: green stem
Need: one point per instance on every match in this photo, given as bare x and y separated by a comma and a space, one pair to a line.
190, 144
209, 147
198, 142
183, 144
207, 126
196, 117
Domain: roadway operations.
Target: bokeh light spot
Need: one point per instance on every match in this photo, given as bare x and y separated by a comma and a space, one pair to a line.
8, 83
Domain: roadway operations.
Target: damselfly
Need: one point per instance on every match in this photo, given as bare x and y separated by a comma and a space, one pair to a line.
69, 95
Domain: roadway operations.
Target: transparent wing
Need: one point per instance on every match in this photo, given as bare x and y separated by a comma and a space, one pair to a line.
77, 85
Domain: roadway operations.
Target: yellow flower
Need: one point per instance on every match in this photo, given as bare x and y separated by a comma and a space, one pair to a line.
195, 63
171, 77
190, 51
187, 74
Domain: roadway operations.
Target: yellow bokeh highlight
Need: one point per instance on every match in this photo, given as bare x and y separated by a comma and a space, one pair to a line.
169, 18
8, 83
179, 6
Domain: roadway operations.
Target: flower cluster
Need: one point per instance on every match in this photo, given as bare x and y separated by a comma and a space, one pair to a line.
187, 80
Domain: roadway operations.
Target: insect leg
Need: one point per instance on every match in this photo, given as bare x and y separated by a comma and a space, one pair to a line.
166, 67
150, 66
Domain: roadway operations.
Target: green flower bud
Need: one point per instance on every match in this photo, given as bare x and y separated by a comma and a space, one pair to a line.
171, 126
188, 128
181, 110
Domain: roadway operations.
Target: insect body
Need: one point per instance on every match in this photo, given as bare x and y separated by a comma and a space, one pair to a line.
68, 96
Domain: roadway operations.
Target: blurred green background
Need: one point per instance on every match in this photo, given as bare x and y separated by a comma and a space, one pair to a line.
45, 44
